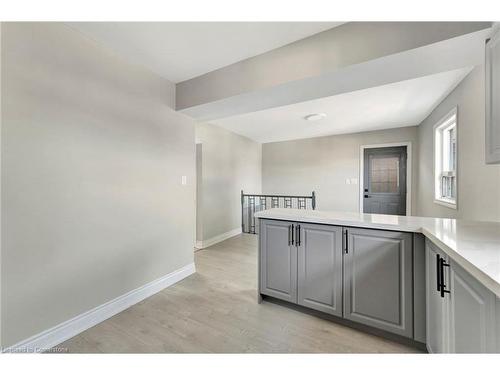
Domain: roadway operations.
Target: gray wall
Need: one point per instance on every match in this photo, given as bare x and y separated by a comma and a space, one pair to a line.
92, 159
323, 164
230, 163
478, 183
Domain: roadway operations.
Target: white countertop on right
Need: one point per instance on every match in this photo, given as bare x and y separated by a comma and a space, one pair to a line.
474, 245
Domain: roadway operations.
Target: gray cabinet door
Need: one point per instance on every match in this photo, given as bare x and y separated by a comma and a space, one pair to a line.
436, 306
320, 267
472, 314
278, 260
378, 280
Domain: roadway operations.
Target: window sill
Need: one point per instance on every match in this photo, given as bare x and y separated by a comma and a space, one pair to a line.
446, 203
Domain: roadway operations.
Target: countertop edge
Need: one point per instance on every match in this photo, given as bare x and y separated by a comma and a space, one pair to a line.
476, 272
346, 223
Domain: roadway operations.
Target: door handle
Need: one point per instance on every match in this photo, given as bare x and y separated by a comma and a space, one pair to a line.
442, 284
344, 234
438, 273
440, 264
292, 234
289, 235
297, 242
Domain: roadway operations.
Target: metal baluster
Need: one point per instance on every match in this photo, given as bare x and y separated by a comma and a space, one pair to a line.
252, 212
247, 222
262, 203
249, 203
249, 213
275, 202
301, 203
242, 212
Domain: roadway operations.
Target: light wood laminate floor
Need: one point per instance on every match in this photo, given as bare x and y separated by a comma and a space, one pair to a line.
216, 311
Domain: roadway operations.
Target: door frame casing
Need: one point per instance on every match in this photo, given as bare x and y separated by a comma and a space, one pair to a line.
408, 171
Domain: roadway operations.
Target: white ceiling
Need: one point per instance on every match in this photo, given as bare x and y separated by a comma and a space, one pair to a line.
400, 104
182, 50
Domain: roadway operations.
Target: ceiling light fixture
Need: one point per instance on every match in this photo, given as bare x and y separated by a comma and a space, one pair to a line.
315, 116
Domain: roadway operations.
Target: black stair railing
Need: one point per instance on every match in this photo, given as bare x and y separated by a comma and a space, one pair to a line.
252, 203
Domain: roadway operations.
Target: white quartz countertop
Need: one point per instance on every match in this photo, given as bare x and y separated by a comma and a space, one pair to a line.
474, 245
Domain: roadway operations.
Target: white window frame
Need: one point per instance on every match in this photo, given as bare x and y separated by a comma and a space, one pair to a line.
443, 124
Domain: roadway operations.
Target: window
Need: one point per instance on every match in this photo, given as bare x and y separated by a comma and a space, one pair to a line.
445, 160
384, 174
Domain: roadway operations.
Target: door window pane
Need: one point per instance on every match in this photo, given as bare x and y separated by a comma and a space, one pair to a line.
384, 174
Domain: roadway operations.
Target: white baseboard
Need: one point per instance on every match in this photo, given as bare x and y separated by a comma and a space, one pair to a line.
217, 239
64, 331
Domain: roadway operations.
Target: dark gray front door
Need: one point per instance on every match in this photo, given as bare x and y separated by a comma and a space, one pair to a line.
385, 181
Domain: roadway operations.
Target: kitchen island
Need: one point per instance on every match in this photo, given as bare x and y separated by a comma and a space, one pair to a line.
434, 281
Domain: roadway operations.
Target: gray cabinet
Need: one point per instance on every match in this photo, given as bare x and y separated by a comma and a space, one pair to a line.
278, 260
471, 314
462, 318
419, 304
320, 267
359, 274
378, 280
436, 306
368, 276
492, 85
